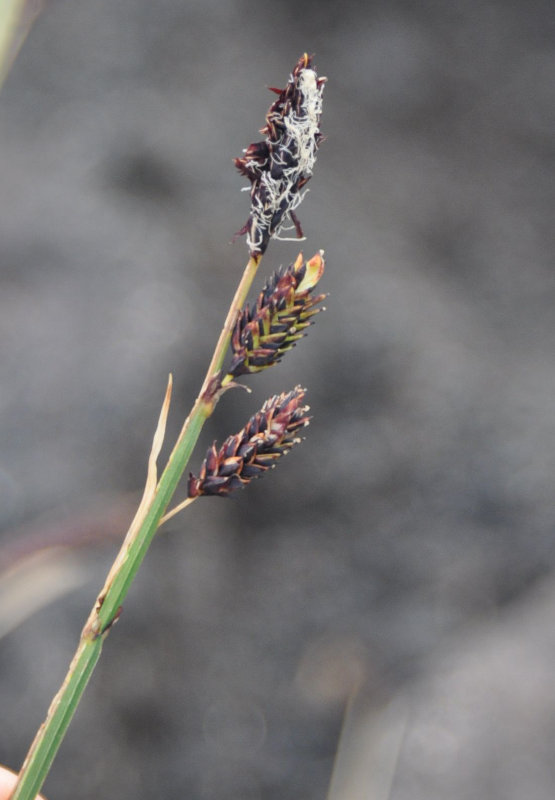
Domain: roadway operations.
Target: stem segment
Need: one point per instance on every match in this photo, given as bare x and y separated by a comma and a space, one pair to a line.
107, 606
16, 18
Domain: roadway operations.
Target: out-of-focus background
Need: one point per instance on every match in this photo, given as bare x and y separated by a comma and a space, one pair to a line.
393, 580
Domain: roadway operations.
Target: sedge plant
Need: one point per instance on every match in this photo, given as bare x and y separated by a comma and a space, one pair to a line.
258, 336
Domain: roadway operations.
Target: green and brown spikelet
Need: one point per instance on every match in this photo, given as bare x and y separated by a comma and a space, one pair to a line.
267, 436
278, 319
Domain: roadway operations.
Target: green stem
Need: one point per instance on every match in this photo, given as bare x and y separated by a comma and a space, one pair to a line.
108, 603
15, 21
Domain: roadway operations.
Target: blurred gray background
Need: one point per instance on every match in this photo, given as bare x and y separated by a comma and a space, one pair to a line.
403, 557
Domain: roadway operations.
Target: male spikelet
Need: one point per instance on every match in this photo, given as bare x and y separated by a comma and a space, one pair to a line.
280, 166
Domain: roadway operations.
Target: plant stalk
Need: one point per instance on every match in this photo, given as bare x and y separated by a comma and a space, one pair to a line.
16, 19
107, 606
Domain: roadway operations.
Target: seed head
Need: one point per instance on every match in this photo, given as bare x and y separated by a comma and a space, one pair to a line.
282, 311
279, 167
267, 436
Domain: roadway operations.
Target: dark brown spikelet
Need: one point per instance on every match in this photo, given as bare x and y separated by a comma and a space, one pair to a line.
282, 312
267, 436
279, 167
